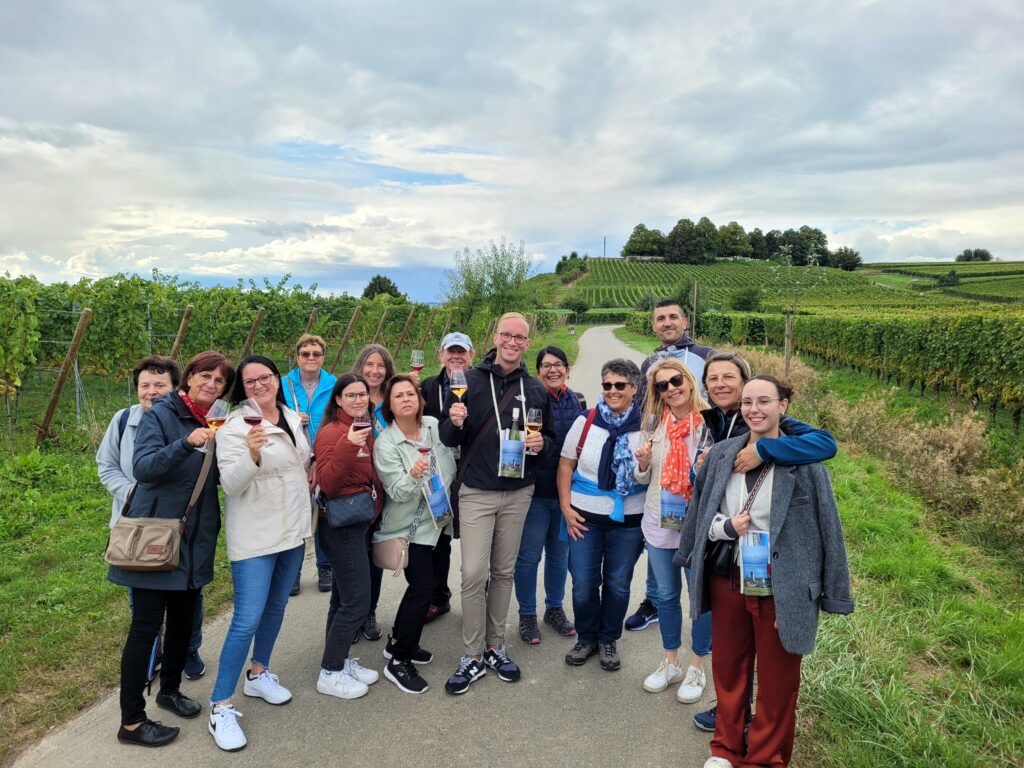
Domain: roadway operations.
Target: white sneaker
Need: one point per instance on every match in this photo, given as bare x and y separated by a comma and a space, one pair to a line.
340, 684
225, 728
361, 673
692, 687
665, 675
266, 687
716, 762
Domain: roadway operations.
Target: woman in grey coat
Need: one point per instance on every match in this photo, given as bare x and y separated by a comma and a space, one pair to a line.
166, 466
789, 564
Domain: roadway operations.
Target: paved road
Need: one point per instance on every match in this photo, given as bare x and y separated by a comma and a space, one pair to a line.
556, 715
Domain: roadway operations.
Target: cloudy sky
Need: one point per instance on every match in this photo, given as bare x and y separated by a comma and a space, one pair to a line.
332, 140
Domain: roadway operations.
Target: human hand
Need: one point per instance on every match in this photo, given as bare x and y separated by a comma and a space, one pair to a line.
574, 523
746, 460
256, 438
458, 413
741, 523
359, 436
643, 456
304, 419
534, 442
200, 437
420, 468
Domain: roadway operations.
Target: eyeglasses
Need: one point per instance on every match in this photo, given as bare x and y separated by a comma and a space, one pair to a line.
261, 380
355, 395
551, 367
675, 381
761, 402
619, 385
517, 338
313, 353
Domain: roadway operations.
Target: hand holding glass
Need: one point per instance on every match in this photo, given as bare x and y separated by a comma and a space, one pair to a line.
360, 422
534, 421
458, 384
215, 418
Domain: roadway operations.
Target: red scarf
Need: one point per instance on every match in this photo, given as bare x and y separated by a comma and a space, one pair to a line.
195, 408
675, 473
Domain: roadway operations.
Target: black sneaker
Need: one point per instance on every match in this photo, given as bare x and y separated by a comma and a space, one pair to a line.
324, 577
609, 656
150, 734
498, 660
646, 614
555, 617
705, 721
371, 629
529, 632
580, 652
195, 667
470, 670
404, 675
297, 586
420, 656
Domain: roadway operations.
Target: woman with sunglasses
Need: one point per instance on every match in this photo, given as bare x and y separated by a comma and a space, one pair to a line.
789, 564
266, 522
725, 374
674, 401
602, 503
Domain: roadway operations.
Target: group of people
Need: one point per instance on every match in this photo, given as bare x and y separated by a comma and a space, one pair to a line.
527, 470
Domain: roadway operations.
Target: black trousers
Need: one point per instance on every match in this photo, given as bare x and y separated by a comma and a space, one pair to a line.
149, 607
350, 590
412, 611
376, 574
442, 564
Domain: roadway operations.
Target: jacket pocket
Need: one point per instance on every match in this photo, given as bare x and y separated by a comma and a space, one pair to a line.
814, 588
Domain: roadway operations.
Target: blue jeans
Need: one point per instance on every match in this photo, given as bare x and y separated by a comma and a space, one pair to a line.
261, 586
601, 564
540, 532
670, 611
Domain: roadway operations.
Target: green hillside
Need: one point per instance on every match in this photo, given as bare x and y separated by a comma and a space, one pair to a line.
969, 268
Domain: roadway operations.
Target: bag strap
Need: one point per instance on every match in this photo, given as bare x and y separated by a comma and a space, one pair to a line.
506, 400
586, 429
197, 491
753, 491
305, 428
122, 423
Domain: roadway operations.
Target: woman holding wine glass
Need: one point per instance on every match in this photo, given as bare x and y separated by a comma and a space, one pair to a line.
672, 418
167, 467
543, 518
402, 456
263, 455
375, 364
345, 471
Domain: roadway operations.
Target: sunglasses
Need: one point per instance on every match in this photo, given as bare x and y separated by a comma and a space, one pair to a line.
314, 355
619, 385
675, 381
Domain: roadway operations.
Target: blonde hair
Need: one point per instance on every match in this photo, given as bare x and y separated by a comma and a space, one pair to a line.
310, 338
653, 404
511, 316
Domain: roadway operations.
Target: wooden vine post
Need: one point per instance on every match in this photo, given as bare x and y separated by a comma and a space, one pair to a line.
447, 325
346, 337
179, 340
788, 345
380, 325
312, 320
251, 339
66, 367
405, 330
426, 331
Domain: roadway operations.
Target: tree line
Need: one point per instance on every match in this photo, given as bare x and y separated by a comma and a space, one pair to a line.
704, 243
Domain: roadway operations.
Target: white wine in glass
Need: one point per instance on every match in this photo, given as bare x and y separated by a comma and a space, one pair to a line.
458, 384
215, 418
534, 421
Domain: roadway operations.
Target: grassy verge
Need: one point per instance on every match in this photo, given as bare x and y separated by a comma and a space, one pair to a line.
929, 670
62, 624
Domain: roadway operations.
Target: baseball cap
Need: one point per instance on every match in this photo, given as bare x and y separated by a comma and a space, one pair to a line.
456, 339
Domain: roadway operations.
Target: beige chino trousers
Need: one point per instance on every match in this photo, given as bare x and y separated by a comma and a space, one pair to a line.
491, 524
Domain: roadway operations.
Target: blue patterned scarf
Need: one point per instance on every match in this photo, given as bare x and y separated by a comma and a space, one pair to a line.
615, 471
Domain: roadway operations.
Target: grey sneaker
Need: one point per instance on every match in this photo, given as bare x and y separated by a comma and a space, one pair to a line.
371, 629
556, 618
529, 632
609, 656
580, 652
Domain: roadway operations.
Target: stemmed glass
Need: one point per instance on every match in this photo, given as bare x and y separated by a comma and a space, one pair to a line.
252, 414
649, 425
360, 422
424, 445
417, 360
458, 384
215, 418
534, 421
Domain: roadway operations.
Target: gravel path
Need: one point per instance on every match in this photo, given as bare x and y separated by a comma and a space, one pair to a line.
555, 716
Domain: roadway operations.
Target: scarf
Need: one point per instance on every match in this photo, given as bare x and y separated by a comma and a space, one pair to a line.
615, 471
675, 473
194, 408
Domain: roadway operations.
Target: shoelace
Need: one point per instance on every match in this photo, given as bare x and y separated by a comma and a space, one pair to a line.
500, 653
222, 710
465, 664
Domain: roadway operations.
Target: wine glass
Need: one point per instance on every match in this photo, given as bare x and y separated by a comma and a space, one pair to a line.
458, 384
252, 414
534, 421
649, 425
424, 445
215, 418
417, 360
360, 422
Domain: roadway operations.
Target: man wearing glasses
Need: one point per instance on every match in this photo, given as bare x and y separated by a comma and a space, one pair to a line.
492, 508
307, 388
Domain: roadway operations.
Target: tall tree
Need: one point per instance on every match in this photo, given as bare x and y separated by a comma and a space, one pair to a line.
707, 241
758, 244
491, 278
733, 242
975, 254
644, 243
845, 258
382, 284
681, 246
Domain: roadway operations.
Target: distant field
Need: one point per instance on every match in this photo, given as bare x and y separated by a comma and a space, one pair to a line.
619, 283
1005, 288
970, 268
